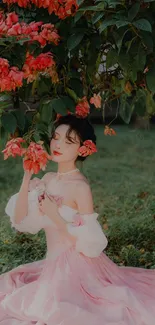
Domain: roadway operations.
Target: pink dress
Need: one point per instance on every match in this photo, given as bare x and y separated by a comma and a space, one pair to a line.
73, 285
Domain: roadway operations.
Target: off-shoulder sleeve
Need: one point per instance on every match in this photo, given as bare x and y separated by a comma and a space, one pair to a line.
34, 221
91, 240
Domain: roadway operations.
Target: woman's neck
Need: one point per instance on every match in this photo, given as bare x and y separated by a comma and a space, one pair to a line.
66, 167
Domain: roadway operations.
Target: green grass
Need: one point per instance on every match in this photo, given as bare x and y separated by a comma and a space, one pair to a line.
122, 176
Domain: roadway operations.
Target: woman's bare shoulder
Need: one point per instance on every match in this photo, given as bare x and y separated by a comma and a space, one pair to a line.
81, 181
48, 176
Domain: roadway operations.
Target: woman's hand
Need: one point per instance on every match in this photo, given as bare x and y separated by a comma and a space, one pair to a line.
27, 175
48, 206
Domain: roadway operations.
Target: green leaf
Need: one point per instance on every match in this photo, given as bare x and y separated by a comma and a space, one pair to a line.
141, 60
5, 101
133, 75
77, 86
78, 16
119, 38
2, 42
59, 106
20, 116
124, 61
140, 102
69, 103
150, 103
111, 58
74, 40
79, 2
41, 128
120, 23
36, 136
5, 97
9, 122
99, 7
143, 24
126, 109
114, 3
46, 111
132, 13
106, 23
23, 40
97, 16
148, 41
44, 86
129, 44
72, 94
150, 79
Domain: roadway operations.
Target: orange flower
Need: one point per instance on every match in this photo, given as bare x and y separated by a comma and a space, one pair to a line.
16, 77
4, 67
15, 30
59, 115
109, 131
61, 8
82, 108
87, 149
96, 100
10, 77
13, 148
35, 66
11, 19
35, 158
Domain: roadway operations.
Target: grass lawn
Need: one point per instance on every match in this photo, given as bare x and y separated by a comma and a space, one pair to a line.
122, 176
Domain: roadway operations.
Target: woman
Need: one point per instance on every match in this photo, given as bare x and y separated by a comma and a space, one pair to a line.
76, 283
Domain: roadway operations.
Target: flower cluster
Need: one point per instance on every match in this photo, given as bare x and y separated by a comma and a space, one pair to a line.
82, 108
87, 149
61, 8
42, 64
14, 148
35, 157
35, 31
96, 100
109, 131
10, 77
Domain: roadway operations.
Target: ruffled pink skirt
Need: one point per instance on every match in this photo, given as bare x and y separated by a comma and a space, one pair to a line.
76, 290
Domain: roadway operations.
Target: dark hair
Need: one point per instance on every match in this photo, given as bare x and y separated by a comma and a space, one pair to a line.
81, 126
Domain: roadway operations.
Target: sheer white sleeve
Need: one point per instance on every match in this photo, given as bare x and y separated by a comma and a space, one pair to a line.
91, 240
34, 221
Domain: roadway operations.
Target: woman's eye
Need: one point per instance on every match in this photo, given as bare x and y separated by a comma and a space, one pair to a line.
55, 137
69, 142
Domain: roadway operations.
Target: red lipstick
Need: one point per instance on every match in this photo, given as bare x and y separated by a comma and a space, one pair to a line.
56, 153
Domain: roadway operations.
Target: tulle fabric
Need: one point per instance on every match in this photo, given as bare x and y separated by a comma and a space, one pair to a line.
91, 240
73, 284
34, 221
74, 289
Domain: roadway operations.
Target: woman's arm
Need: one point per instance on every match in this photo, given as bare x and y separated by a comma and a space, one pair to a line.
21, 207
84, 199
90, 239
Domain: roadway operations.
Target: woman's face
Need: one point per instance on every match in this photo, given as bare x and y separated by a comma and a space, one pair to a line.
63, 149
